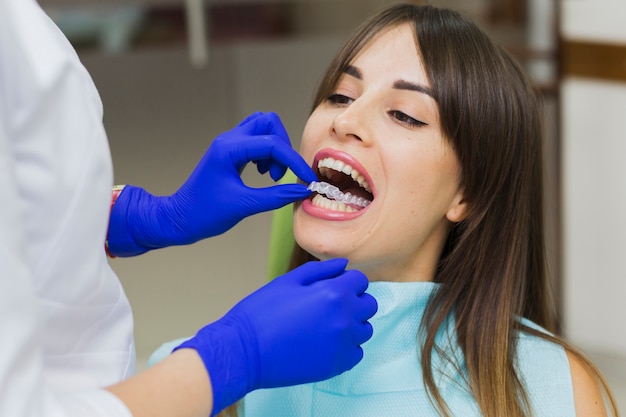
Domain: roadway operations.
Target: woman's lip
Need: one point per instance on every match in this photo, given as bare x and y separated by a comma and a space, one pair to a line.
307, 205
312, 210
348, 159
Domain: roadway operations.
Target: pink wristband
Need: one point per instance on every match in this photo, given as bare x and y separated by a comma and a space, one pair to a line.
117, 189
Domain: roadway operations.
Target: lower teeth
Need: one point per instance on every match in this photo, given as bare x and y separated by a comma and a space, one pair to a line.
335, 193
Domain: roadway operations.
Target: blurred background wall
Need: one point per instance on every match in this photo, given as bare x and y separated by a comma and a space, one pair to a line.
173, 74
593, 144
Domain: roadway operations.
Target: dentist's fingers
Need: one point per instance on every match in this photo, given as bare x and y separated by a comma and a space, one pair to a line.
273, 148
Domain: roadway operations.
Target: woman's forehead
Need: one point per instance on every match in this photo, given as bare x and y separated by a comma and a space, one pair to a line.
392, 53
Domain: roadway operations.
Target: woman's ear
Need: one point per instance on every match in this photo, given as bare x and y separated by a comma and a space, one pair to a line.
458, 209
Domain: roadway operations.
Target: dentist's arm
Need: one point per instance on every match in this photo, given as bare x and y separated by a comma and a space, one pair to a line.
177, 386
304, 326
214, 198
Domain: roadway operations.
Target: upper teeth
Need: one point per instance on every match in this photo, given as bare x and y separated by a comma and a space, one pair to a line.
336, 165
333, 192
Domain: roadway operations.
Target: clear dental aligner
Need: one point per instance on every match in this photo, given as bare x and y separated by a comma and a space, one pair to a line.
335, 193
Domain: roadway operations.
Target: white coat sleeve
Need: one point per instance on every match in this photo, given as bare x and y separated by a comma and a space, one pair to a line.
23, 392
26, 380
20, 360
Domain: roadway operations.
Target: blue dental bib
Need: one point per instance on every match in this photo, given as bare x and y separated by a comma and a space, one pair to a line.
388, 381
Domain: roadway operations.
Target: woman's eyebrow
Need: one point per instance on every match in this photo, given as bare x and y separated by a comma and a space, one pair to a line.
353, 71
407, 85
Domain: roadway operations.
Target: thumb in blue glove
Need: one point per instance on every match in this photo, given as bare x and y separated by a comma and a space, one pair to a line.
304, 326
214, 198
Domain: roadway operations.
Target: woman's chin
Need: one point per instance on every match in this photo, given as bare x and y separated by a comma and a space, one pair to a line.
321, 251
322, 238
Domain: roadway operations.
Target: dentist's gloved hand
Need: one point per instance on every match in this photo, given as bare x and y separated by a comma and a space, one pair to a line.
304, 326
214, 198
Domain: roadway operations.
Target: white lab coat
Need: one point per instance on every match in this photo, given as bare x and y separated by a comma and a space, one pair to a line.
65, 323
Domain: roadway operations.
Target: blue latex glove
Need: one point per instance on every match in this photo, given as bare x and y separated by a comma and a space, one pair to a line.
214, 198
304, 326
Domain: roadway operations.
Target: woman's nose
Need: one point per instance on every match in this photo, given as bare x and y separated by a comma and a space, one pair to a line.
352, 123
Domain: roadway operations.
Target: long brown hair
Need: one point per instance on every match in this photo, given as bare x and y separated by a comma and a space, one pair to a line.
492, 270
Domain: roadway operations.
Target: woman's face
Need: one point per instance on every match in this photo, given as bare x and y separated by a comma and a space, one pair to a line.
378, 137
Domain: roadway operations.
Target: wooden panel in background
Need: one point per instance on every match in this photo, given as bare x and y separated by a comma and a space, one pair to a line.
593, 60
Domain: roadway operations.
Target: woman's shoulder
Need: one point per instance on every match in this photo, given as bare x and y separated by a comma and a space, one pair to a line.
538, 354
557, 374
587, 392
544, 369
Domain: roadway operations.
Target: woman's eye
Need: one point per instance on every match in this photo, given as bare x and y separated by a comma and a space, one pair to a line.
406, 119
339, 99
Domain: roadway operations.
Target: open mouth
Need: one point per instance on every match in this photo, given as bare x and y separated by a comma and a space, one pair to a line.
341, 187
